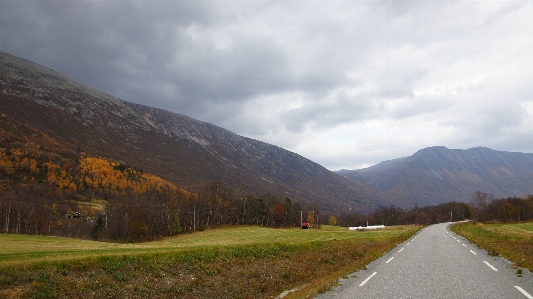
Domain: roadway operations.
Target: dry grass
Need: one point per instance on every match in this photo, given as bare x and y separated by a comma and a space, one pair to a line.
252, 263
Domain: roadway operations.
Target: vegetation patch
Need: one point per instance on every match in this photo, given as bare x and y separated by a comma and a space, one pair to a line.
513, 241
246, 270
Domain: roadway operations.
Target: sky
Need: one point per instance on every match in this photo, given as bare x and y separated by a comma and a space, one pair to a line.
346, 84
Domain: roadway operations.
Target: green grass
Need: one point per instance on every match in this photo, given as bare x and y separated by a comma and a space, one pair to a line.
26, 248
513, 241
237, 262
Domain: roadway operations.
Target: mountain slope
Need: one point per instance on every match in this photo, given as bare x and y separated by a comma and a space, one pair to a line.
437, 174
182, 150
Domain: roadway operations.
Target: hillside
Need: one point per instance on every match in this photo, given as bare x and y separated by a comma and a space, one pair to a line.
41, 105
437, 174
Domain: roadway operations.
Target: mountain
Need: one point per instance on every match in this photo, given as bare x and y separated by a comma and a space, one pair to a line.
45, 106
437, 175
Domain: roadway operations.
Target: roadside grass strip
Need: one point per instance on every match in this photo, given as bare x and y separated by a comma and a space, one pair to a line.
512, 241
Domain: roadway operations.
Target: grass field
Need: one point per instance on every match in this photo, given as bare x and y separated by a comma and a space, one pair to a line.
15, 249
236, 262
512, 241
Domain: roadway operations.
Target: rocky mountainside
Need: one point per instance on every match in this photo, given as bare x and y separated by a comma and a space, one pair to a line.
437, 174
182, 150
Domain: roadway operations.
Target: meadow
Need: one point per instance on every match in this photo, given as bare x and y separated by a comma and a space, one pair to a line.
513, 241
234, 262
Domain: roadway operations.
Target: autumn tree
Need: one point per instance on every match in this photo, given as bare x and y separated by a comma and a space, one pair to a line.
480, 203
310, 218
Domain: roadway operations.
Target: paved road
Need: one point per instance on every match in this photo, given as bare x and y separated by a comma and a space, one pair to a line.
436, 263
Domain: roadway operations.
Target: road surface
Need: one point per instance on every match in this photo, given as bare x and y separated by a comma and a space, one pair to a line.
435, 263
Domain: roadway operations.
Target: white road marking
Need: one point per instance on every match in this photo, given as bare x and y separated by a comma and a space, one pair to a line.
524, 292
408, 243
463, 245
389, 260
459, 241
400, 250
490, 266
366, 280
473, 252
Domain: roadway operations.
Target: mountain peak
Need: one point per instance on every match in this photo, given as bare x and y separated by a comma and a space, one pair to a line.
437, 174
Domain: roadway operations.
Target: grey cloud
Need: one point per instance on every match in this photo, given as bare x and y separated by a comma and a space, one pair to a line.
328, 113
397, 83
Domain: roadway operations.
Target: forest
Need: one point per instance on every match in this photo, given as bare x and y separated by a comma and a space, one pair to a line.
453, 211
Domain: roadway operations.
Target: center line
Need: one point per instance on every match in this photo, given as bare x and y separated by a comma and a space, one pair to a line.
366, 280
473, 252
524, 292
490, 266
401, 250
464, 245
389, 260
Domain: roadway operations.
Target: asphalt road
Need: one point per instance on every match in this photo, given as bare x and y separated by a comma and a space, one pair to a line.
436, 263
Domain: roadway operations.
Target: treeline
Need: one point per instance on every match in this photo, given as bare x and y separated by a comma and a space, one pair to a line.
486, 208
452, 211
143, 216
482, 207
41, 210
161, 213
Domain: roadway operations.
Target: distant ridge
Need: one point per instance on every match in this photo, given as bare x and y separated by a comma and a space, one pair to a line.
437, 174
180, 149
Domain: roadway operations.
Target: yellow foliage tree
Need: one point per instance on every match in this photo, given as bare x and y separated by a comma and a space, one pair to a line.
118, 177
310, 218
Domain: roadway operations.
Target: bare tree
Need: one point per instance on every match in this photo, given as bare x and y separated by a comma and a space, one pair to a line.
480, 203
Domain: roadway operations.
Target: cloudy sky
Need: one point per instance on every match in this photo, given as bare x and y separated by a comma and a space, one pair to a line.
346, 84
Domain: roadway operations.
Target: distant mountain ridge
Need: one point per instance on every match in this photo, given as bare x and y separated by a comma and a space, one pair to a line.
180, 149
437, 174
